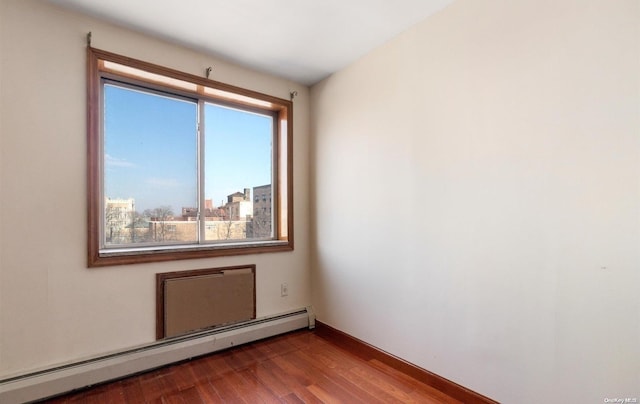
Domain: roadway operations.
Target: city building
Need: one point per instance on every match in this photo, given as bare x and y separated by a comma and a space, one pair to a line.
239, 206
118, 220
466, 193
260, 226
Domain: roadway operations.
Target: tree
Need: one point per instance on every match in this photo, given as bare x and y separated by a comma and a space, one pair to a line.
112, 223
260, 225
159, 218
136, 221
228, 221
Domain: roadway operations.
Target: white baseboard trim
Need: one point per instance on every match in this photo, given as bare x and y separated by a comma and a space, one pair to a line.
57, 380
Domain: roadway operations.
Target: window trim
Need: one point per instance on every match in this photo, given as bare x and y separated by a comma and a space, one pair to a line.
97, 69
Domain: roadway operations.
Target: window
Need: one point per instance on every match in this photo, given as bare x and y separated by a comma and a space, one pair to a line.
180, 166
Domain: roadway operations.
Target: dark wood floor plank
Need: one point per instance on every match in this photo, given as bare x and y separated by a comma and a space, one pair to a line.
340, 357
371, 388
322, 379
132, 390
240, 359
424, 398
245, 389
299, 367
226, 391
200, 370
305, 340
306, 396
420, 388
334, 376
395, 389
291, 382
368, 352
186, 396
270, 381
216, 365
207, 392
265, 393
156, 384
291, 398
299, 376
182, 377
279, 346
325, 360
257, 354
324, 396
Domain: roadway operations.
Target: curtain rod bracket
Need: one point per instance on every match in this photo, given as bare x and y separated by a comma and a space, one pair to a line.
89, 39
208, 71
293, 94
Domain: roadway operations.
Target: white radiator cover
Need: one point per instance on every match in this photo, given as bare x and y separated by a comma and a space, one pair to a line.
62, 379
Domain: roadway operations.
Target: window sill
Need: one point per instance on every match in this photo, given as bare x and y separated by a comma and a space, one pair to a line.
125, 256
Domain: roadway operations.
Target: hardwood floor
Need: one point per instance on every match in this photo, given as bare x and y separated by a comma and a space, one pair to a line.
298, 367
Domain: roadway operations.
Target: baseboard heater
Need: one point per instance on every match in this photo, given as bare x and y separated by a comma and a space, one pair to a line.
57, 380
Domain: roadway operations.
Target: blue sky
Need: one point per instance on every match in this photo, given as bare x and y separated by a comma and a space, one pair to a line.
151, 147
237, 151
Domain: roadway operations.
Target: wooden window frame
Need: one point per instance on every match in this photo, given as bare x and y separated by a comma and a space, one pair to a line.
100, 65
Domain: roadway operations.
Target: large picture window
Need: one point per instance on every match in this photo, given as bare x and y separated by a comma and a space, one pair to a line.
183, 167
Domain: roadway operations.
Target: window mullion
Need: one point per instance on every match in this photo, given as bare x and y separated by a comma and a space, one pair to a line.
142, 154
202, 212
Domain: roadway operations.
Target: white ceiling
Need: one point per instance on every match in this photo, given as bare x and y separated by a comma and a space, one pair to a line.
302, 40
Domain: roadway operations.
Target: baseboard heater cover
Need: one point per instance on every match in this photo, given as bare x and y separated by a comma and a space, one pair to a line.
62, 379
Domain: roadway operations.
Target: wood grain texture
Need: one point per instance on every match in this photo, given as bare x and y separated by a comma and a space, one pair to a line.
282, 109
299, 367
381, 366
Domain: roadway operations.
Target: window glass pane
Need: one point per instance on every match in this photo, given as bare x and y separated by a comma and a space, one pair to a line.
150, 167
237, 174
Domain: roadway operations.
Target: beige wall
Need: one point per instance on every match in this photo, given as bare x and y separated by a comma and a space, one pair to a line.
498, 140
52, 308
2, 12
501, 142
